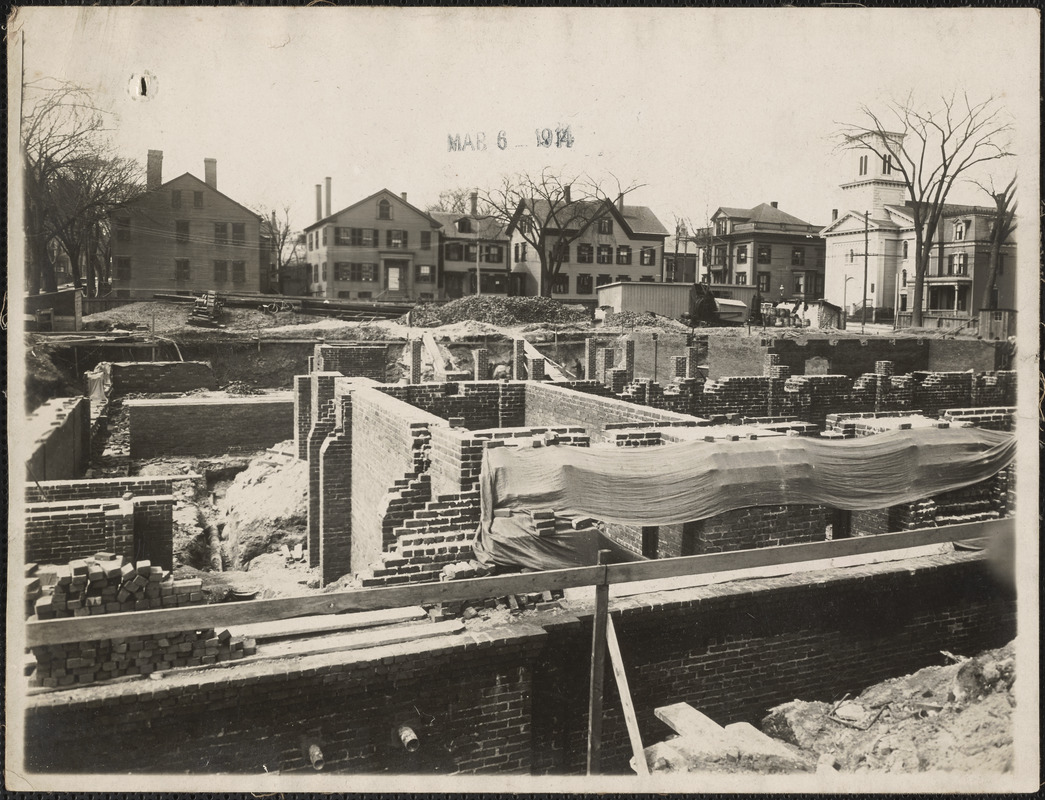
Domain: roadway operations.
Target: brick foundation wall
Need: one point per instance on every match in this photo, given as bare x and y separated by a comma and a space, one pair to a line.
355, 360
512, 698
302, 414
999, 418
88, 489
335, 501
477, 402
936, 391
197, 426
851, 357
58, 434
994, 389
153, 377
154, 530
60, 532
390, 443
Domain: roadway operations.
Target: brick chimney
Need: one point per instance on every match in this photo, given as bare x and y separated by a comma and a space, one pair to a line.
210, 172
834, 214
154, 170
474, 197
403, 195
326, 206
566, 193
319, 202
620, 202
773, 204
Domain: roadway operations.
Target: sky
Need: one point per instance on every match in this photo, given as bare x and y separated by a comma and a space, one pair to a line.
699, 108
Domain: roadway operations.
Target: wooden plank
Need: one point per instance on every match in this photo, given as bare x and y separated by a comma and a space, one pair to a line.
553, 370
355, 641
598, 668
687, 721
435, 354
107, 626
281, 629
813, 551
224, 615
617, 662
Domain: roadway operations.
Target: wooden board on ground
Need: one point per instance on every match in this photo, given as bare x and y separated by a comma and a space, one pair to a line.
551, 369
283, 629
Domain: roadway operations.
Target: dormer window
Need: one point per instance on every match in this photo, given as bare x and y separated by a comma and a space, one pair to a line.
959, 230
384, 210
464, 225
721, 227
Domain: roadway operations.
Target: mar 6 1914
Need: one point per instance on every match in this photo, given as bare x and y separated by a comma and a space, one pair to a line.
560, 136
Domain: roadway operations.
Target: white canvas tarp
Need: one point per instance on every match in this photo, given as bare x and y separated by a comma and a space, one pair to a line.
678, 483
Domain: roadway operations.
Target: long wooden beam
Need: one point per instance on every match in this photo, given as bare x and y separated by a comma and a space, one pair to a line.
139, 623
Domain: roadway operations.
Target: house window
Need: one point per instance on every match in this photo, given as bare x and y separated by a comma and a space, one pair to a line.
903, 302
863, 165
182, 272
763, 282
961, 267
123, 269
646, 279
903, 278
560, 252
454, 251
800, 283
425, 273
315, 273
239, 233
396, 239
950, 264
561, 284
623, 278
364, 295
604, 225
648, 256
721, 227
221, 233
324, 271
887, 164
309, 240
623, 255
669, 269
470, 253
239, 271
1001, 263
872, 288
384, 210
720, 254
426, 240
221, 271
904, 250
493, 254
123, 229
324, 231
464, 225
525, 225
798, 256
584, 283
175, 198
197, 199
585, 253
959, 231
604, 255
742, 254
342, 271
741, 278
362, 272
361, 237
603, 279
342, 236
765, 254
182, 228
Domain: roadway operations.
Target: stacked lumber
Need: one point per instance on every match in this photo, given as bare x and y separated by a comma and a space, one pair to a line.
106, 584
78, 663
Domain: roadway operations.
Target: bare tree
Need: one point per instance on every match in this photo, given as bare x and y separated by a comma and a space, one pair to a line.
276, 227
549, 212
60, 125
1002, 227
452, 201
930, 150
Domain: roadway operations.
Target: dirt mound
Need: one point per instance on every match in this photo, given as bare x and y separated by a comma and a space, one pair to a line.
43, 379
646, 319
952, 718
162, 316
265, 506
498, 311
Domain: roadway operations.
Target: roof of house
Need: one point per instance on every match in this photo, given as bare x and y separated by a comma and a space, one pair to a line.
765, 213
393, 195
638, 219
485, 227
206, 185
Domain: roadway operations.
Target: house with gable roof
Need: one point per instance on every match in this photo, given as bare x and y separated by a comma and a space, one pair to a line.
614, 242
474, 254
379, 248
183, 236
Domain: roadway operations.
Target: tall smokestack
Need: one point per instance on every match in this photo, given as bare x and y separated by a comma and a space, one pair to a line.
327, 204
210, 172
319, 202
474, 197
154, 170
834, 214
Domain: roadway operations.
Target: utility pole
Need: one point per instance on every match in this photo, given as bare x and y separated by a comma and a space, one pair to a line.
863, 311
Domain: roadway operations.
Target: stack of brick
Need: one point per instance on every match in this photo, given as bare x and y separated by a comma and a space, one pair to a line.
543, 522
105, 584
867, 423
998, 418
536, 372
935, 391
78, 663
481, 363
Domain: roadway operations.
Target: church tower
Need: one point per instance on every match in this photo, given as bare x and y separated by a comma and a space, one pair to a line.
875, 181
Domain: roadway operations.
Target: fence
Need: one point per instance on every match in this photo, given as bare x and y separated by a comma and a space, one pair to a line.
932, 319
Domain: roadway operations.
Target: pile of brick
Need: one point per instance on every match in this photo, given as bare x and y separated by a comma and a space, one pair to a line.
80, 663
105, 584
